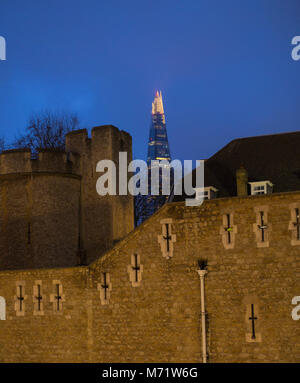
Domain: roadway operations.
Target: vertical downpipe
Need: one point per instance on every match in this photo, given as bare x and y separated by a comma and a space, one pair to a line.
203, 319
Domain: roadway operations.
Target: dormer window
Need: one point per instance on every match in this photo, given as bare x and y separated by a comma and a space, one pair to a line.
208, 192
261, 187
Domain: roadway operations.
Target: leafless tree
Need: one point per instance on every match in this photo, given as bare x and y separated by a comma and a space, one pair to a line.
46, 130
2, 144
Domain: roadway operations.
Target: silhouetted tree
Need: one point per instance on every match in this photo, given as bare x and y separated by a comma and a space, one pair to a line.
47, 130
2, 144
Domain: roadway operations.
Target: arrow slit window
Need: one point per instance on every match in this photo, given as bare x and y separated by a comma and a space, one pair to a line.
294, 224
57, 297
252, 322
105, 288
262, 227
228, 231
135, 270
38, 304
2, 308
167, 238
20, 298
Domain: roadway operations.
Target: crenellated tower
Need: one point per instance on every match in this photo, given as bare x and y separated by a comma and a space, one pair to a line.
51, 214
104, 220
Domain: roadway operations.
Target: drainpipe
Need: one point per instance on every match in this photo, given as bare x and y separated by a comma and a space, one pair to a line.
202, 273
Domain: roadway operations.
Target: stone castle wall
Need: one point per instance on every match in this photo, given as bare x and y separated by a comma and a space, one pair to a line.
50, 212
53, 336
106, 219
157, 318
39, 213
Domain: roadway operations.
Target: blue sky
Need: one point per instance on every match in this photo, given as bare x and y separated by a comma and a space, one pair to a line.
224, 67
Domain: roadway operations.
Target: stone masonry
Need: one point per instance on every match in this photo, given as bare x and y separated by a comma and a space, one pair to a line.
158, 318
50, 213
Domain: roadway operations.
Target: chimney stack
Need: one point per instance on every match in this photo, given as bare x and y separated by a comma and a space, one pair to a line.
242, 182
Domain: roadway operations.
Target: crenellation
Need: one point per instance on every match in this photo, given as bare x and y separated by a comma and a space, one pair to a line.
51, 212
53, 161
140, 300
76, 141
15, 161
20, 162
102, 141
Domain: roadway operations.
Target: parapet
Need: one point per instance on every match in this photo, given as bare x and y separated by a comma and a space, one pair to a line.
105, 141
102, 129
76, 141
15, 161
19, 161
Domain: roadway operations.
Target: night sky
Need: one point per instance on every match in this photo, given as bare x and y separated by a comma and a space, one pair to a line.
224, 67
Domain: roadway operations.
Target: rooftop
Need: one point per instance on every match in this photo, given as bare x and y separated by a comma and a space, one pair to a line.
274, 157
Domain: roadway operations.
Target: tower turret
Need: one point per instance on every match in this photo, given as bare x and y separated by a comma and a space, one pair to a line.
50, 210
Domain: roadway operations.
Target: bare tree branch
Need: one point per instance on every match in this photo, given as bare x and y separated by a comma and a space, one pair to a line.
47, 130
2, 144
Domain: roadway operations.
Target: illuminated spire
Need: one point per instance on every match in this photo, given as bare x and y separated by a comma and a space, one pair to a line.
157, 104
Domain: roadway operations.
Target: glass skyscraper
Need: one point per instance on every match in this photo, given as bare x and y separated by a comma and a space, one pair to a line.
158, 145
158, 149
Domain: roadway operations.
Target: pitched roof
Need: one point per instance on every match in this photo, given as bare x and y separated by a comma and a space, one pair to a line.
274, 157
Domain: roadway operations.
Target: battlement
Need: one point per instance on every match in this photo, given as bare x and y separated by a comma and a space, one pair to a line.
104, 129
105, 142
18, 161
51, 212
81, 152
